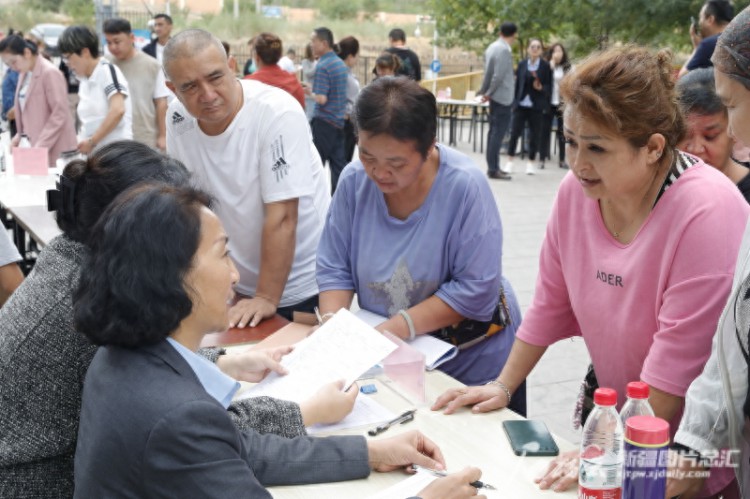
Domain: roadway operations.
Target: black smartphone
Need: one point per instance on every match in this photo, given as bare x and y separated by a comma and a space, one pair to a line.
694, 24
530, 438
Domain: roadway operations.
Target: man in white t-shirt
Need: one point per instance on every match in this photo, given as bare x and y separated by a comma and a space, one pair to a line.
148, 92
250, 145
104, 105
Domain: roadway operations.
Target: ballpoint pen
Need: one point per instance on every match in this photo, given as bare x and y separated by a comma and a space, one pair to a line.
403, 418
477, 484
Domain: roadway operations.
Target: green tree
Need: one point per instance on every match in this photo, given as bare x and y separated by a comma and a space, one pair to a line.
44, 5
583, 24
80, 11
339, 9
371, 8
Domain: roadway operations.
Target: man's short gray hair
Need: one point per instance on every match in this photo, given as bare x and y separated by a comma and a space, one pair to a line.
186, 44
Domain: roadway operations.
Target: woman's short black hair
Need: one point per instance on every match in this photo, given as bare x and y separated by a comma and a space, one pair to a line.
696, 93
106, 173
399, 107
132, 292
76, 38
16, 45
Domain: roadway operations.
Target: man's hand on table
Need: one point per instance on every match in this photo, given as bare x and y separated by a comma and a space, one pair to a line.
403, 450
253, 365
482, 399
330, 404
250, 311
562, 472
454, 486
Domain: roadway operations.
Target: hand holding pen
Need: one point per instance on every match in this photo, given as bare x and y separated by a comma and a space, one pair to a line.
459, 485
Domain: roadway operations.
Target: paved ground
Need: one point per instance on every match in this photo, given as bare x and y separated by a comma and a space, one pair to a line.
525, 203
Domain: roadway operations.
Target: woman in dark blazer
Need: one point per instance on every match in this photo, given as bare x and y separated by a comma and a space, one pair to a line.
532, 101
559, 65
154, 421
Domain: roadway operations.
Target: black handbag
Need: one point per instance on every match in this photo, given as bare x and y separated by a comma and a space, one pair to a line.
469, 332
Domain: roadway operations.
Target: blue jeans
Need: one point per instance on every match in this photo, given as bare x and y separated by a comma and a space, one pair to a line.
499, 122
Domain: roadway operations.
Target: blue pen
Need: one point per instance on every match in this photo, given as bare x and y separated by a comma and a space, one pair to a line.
477, 484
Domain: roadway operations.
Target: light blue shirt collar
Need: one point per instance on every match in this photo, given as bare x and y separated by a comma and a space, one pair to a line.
216, 383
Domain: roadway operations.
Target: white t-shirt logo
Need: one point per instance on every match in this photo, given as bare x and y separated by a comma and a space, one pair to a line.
280, 166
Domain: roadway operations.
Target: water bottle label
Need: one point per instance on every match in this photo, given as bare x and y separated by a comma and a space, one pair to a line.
585, 493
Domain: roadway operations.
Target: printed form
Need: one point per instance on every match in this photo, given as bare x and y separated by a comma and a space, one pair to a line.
343, 348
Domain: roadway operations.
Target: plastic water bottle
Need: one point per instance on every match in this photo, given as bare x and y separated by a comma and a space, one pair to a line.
24, 142
637, 403
448, 92
600, 473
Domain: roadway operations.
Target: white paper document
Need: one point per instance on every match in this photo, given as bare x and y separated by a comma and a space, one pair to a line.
410, 487
366, 412
343, 348
435, 351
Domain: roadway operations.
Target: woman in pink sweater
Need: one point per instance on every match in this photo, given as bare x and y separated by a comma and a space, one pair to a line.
639, 251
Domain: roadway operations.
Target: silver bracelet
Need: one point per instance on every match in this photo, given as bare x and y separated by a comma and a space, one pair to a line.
502, 387
409, 322
323, 318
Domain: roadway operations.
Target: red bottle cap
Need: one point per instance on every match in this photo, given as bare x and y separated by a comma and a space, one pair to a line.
637, 390
605, 396
647, 431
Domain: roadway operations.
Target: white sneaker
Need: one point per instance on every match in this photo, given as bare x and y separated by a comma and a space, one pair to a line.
507, 167
530, 170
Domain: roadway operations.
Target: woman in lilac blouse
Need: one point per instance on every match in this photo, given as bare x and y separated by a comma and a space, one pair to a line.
415, 232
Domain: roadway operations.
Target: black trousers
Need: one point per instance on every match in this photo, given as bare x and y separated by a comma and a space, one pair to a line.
522, 116
350, 140
329, 141
307, 306
554, 114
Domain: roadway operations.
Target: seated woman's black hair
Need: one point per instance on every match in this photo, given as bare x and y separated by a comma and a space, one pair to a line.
132, 291
399, 107
109, 171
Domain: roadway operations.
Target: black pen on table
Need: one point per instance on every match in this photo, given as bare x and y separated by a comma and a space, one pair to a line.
476, 484
403, 418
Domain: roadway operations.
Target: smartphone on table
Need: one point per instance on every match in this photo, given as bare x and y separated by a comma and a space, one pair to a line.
530, 438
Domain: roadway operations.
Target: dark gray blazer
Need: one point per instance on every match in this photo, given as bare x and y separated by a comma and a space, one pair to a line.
149, 429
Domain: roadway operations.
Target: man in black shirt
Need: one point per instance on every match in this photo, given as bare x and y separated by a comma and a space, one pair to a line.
409, 60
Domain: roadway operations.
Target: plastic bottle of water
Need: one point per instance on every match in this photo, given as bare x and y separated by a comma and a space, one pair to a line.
600, 473
637, 403
24, 142
448, 92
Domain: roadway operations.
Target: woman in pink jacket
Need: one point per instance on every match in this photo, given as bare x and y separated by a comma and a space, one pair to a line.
41, 99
